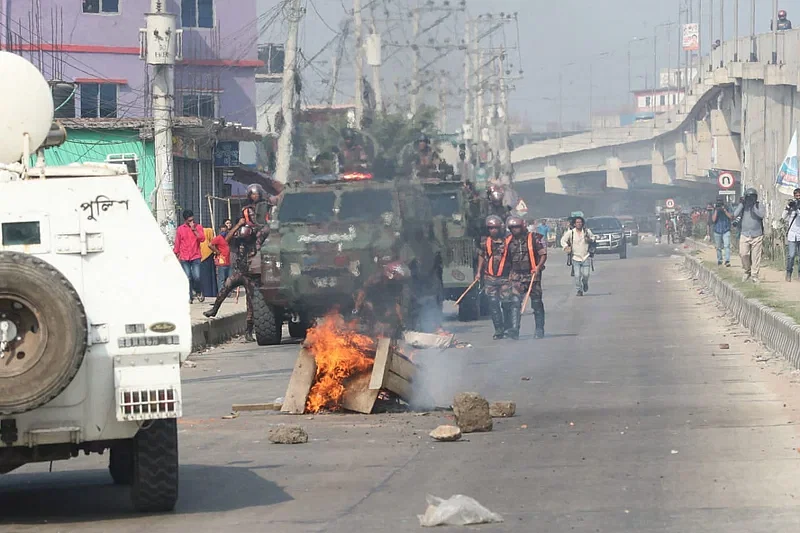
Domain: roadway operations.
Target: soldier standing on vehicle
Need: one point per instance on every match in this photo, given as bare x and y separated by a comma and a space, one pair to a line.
494, 266
783, 22
579, 244
427, 159
352, 158
528, 254
246, 235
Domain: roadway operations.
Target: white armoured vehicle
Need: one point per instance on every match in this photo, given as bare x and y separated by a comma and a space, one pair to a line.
94, 322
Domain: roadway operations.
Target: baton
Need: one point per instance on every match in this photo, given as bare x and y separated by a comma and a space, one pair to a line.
528, 294
466, 291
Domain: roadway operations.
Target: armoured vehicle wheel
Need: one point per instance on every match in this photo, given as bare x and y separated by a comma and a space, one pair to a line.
154, 487
268, 322
44, 325
120, 463
470, 307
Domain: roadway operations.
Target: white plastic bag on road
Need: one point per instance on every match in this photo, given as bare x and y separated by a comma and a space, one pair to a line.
459, 510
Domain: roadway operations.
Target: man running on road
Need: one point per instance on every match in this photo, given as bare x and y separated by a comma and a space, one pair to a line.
578, 243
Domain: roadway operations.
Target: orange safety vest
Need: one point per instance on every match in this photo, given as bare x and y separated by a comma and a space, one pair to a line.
531, 253
489, 252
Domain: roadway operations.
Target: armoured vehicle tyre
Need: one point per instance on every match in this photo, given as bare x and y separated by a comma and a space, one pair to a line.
120, 463
267, 322
154, 487
56, 343
470, 307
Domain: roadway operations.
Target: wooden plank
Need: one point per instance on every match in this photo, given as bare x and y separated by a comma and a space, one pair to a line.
358, 396
242, 407
399, 386
382, 356
403, 367
303, 375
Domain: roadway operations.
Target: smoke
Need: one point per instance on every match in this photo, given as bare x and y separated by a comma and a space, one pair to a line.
441, 375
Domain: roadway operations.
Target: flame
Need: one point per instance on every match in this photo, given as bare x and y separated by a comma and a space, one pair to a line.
340, 352
357, 176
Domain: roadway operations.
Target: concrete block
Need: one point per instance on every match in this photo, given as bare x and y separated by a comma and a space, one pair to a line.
553, 183
719, 123
727, 152
779, 75
753, 71
218, 330
661, 174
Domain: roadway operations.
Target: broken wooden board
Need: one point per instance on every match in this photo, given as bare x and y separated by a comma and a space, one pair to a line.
358, 396
417, 339
303, 376
242, 407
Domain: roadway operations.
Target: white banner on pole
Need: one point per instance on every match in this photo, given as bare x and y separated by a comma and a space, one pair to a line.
786, 181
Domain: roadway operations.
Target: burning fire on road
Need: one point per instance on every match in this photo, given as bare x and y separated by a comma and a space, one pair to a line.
340, 353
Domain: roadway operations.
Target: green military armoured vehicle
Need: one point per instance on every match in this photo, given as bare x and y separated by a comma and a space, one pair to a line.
458, 225
329, 236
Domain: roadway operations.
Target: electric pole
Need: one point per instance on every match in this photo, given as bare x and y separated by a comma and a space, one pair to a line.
294, 14
467, 131
162, 47
415, 62
359, 63
375, 61
505, 150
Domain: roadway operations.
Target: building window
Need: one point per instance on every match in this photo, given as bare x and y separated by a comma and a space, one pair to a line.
197, 13
647, 101
663, 100
101, 6
199, 105
98, 100
273, 57
129, 160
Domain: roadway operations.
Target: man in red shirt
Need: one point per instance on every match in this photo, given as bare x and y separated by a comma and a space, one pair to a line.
222, 255
188, 237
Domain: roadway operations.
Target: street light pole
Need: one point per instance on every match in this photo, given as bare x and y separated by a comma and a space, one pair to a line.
753, 55
736, 29
775, 32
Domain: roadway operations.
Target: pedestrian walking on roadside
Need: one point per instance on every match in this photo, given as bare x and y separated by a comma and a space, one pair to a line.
222, 255
528, 254
790, 217
493, 266
721, 224
188, 237
579, 244
750, 214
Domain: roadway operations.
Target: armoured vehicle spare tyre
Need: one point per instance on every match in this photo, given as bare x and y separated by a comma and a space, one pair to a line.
45, 325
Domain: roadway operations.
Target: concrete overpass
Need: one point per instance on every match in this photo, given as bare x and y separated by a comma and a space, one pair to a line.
738, 117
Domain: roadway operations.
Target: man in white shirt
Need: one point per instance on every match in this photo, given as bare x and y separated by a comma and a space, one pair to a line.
790, 216
579, 243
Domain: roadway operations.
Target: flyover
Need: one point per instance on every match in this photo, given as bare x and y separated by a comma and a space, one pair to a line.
738, 116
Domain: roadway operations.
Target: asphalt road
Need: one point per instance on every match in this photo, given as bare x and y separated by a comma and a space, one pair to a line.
633, 420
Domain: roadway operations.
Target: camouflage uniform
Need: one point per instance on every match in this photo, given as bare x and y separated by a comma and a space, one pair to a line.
495, 280
520, 279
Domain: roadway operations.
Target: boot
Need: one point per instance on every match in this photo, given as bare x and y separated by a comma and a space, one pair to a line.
248, 335
788, 276
508, 325
515, 316
538, 317
497, 320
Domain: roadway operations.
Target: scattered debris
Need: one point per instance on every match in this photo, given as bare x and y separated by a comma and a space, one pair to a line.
502, 409
416, 339
189, 364
674, 452
288, 435
724, 346
526, 378
458, 510
446, 433
472, 412
231, 416
524, 426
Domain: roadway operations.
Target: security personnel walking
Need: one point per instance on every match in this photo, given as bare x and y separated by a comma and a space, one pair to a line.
528, 254
494, 266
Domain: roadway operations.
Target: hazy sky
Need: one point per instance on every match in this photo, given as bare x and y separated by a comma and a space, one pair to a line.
555, 36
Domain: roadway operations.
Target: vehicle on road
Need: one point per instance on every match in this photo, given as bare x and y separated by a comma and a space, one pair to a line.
631, 229
329, 236
610, 235
458, 216
94, 325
